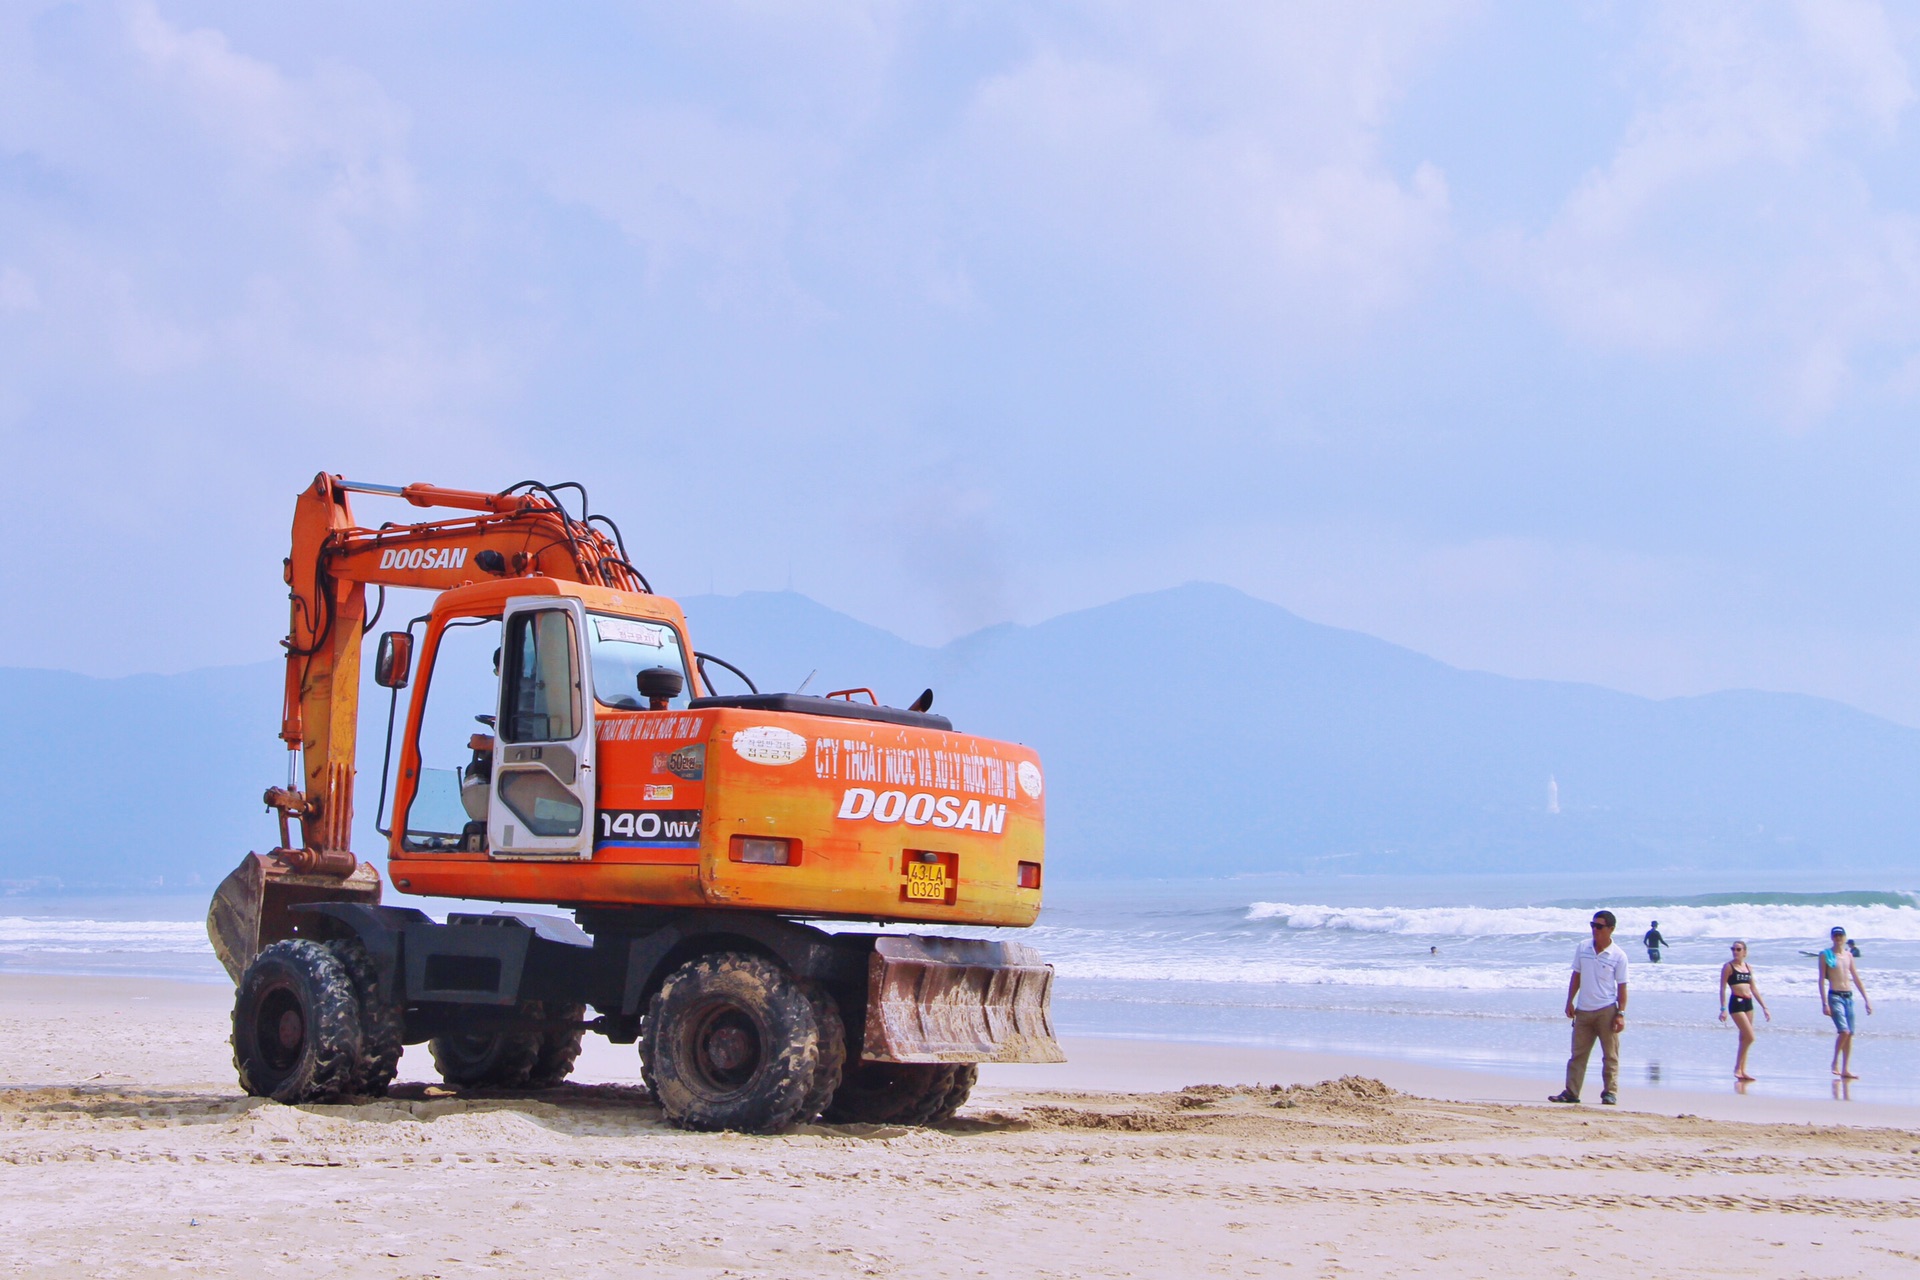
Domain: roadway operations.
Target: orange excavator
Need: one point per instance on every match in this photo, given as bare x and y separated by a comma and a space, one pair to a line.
707, 845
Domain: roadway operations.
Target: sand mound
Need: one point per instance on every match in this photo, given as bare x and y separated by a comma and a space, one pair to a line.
1348, 1093
1216, 1107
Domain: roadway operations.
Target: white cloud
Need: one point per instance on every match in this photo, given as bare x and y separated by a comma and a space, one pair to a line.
1739, 212
1221, 153
1232, 152
700, 195
335, 127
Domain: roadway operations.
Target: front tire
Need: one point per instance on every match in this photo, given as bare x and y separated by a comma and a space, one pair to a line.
296, 1024
732, 1042
381, 1021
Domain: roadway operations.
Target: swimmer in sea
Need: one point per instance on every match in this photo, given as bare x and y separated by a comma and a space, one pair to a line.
1738, 992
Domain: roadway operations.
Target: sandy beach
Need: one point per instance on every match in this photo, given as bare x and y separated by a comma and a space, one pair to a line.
128, 1150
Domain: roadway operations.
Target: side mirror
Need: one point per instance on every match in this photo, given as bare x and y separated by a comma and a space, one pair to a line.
394, 664
660, 684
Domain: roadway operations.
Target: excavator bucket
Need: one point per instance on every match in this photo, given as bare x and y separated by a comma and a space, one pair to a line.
253, 906
958, 1000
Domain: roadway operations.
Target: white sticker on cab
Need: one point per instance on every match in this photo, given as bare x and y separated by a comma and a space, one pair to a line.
1029, 779
769, 744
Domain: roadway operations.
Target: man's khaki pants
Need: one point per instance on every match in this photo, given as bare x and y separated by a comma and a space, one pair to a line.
1590, 1025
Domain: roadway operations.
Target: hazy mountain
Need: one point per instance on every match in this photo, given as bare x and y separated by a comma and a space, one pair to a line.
1199, 730
1192, 731
142, 782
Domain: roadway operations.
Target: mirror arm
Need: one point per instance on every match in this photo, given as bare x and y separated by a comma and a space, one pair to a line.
386, 765
386, 756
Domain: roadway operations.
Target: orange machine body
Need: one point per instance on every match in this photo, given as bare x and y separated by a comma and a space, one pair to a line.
854, 805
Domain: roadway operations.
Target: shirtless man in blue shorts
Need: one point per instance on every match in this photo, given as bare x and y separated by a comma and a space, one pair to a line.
1839, 979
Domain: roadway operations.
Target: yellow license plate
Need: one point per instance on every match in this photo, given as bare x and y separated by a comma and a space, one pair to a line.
927, 881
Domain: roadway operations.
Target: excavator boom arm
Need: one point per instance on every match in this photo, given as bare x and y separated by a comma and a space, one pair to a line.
334, 560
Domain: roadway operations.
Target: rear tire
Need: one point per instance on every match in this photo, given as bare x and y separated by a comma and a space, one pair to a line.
381, 1021
646, 1058
495, 1059
833, 1052
732, 1042
890, 1092
939, 1105
296, 1024
559, 1050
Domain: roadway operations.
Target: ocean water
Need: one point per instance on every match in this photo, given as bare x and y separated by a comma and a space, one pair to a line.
1466, 972
1471, 972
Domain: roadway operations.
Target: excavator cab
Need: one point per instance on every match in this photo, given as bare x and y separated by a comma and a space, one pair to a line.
526, 789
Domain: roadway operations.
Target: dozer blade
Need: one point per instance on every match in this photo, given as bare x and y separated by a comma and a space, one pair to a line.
252, 906
958, 1000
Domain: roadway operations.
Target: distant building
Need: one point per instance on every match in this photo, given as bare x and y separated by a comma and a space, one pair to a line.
1553, 794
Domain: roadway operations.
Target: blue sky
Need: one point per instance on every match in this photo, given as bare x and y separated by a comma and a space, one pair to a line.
1576, 340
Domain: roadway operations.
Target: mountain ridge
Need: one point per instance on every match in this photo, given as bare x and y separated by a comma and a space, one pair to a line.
1189, 731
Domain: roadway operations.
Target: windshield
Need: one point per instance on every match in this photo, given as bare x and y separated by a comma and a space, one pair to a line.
622, 649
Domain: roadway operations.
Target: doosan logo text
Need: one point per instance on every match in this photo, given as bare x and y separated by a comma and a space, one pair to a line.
423, 558
923, 809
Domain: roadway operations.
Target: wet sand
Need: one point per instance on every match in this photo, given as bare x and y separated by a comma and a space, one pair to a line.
126, 1149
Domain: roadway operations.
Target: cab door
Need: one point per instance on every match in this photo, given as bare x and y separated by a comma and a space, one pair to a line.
541, 804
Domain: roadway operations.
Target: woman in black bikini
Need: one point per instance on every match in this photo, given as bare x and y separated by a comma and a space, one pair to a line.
1738, 991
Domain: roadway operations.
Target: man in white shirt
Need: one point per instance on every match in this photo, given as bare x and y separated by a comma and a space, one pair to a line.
1597, 1005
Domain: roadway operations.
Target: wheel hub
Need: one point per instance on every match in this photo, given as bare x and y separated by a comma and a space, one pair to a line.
729, 1048
280, 1028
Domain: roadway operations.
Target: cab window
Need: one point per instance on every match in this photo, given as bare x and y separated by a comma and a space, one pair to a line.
540, 687
624, 647
462, 693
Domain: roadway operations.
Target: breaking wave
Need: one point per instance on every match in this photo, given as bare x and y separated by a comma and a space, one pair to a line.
1780, 921
1781, 981
91, 937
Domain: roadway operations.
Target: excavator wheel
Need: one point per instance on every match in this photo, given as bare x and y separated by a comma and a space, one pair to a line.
733, 1043
890, 1092
559, 1050
939, 1105
646, 1061
296, 1024
381, 1026
833, 1051
495, 1059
